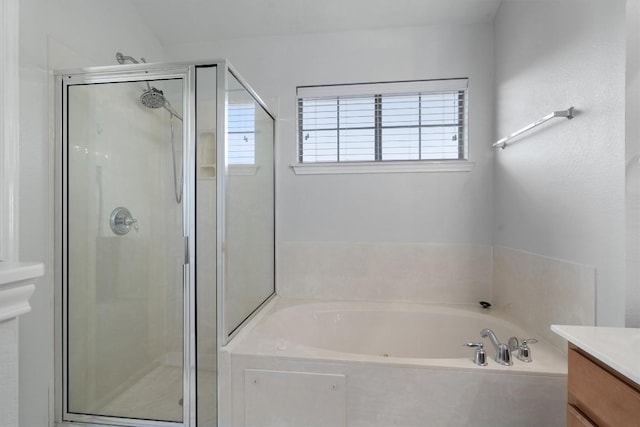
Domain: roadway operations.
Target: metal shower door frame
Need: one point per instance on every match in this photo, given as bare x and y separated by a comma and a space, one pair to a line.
118, 74
143, 72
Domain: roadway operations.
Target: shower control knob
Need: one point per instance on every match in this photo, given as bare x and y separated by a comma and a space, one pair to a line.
122, 222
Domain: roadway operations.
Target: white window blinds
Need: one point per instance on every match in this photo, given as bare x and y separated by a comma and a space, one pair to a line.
241, 134
417, 120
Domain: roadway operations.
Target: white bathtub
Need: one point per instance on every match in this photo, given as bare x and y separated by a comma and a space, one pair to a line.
389, 365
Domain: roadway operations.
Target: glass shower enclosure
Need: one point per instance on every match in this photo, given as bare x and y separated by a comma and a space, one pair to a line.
165, 237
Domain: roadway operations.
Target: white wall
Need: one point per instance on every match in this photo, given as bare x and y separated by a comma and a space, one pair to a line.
559, 190
384, 207
56, 34
402, 208
632, 170
8, 375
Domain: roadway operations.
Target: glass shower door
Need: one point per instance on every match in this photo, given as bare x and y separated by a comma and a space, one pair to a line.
124, 270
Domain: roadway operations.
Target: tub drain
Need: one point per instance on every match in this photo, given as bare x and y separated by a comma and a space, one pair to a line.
385, 354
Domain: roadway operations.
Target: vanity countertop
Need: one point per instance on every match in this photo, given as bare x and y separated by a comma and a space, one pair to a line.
618, 348
11, 272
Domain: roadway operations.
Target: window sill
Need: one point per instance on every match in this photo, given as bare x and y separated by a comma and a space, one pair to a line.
383, 167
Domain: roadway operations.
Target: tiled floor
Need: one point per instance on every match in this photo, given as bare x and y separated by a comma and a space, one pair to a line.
157, 396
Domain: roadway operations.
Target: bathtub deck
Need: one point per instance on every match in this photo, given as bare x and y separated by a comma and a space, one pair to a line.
370, 390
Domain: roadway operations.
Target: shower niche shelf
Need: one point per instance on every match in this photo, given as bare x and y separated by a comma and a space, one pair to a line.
207, 154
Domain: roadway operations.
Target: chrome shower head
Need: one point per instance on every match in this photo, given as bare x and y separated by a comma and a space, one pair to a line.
153, 98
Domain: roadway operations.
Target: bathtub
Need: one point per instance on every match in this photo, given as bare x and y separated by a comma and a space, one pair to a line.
310, 363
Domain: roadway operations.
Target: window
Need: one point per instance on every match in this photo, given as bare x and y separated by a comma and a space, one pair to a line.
397, 121
242, 134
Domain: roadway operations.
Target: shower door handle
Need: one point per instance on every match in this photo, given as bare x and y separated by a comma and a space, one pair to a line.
187, 255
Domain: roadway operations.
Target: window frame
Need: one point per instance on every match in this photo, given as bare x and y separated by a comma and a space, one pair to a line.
377, 91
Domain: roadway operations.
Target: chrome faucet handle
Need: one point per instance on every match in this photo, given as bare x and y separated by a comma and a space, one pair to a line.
513, 344
524, 352
132, 222
473, 344
480, 358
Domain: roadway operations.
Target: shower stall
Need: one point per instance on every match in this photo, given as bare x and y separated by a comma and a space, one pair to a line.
164, 237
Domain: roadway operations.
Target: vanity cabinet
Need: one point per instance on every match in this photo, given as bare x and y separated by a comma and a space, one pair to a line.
598, 395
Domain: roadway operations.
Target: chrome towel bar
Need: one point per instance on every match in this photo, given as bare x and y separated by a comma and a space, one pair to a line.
568, 113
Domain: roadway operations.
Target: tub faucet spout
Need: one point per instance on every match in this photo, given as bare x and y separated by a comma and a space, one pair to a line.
503, 354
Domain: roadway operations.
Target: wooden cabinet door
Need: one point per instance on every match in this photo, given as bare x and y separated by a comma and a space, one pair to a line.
601, 396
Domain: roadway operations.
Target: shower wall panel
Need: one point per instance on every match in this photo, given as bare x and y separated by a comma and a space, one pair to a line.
250, 205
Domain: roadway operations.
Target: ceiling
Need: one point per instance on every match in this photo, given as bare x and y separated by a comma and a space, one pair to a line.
188, 21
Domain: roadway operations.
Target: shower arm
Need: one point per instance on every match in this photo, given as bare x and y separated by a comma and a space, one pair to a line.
171, 111
123, 58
